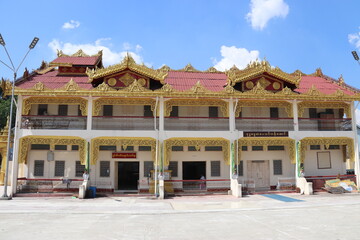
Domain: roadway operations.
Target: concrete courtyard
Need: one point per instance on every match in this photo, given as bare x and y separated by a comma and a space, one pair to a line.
321, 216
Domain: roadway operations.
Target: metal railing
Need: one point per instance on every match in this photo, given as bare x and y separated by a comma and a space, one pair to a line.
264, 124
196, 124
200, 185
53, 122
47, 185
123, 123
320, 124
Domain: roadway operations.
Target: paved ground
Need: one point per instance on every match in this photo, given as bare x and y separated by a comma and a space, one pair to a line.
322, 216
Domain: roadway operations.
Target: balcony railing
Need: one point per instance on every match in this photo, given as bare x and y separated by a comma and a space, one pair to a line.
329, 124
53, 122
196, 124
123, 123
264, 124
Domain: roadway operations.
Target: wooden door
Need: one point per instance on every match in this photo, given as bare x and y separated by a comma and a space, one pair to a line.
258, 170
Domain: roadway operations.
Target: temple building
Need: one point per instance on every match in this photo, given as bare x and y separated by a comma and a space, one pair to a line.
128, 124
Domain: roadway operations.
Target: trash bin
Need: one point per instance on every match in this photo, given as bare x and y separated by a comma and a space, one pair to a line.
92, 192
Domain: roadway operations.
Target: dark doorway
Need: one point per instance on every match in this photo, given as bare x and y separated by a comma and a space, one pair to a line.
128, 175
193, 171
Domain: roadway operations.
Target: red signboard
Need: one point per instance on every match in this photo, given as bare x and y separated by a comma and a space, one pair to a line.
124, 155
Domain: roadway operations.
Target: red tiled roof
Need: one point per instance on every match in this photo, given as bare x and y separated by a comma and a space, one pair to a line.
183, 81
323, 85
52, 81
86, 61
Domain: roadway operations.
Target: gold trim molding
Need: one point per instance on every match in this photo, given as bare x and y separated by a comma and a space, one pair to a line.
287, 105
54, 100
120, 141
197, 142
268, 141
196, 102
127, 63
337, 105
327, 141
98, 103
25, 143
257, 68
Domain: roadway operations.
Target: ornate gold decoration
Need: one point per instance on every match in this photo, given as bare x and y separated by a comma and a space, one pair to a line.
135, 87
327, 141
196, 102
276, 85
334, 105
188, 68
142, 82
198, 88
313, 91
257, 68
39, 86
213, 70
25, 143
120, 141
127, 79
286, 91
103, 87
287, 105
259, 90
98, 103
111, 82
249, 84
341, 80
269, 141
127, 63
264, 82
79, 53
70, 86
197, 142
54, 100
167, 88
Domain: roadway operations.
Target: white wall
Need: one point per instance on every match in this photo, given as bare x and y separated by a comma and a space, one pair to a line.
288, 169
338, 166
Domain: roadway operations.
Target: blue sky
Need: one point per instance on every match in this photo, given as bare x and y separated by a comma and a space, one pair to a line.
290, 34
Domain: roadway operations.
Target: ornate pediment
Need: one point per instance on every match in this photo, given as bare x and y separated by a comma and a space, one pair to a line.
127, 64
270, 78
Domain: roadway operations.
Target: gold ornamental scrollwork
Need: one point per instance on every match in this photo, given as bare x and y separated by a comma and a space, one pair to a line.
196, 102
98, 103
269, 141
54, 100
327, 141
281, 104
197, 142
335, 105
25, 144
120, 141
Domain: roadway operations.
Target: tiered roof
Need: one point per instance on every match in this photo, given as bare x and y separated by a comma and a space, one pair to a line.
183, 82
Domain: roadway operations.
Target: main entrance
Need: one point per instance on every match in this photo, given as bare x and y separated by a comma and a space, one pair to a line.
128, 175
193, 171
258, 171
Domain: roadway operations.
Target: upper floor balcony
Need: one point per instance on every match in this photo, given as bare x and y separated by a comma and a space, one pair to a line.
196, 124
320, 124
264, 124
54, 122
124, 123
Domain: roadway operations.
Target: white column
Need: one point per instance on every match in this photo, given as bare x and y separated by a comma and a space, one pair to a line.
232, 124
15, 157
296, 117
89, 114
356, 144
161, 114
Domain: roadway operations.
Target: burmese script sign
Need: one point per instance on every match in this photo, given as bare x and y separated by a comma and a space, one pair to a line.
266, 134
124, 155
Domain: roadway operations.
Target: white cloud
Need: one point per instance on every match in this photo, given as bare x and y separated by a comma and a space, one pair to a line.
71, 25
110, 56
264, 10
354, 39
235, 56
